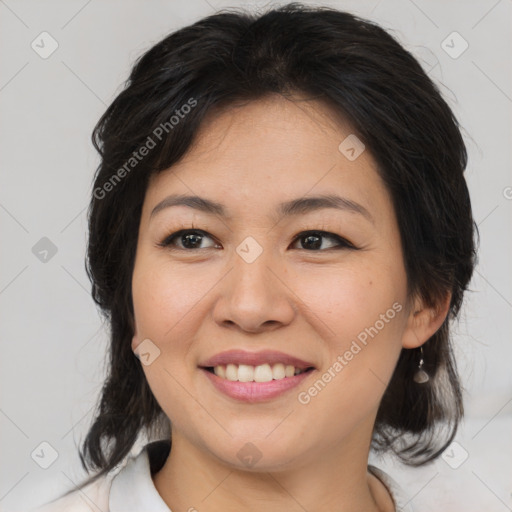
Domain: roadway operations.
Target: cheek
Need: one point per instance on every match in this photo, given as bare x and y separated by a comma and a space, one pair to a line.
167, 303
164, 299
348, 301
361, 314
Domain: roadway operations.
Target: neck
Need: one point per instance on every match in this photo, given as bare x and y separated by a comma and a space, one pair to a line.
337, 480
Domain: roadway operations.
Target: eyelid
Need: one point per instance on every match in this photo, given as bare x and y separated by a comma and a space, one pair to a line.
165, 243
342, 242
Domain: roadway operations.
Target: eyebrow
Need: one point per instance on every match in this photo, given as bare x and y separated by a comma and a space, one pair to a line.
299, 206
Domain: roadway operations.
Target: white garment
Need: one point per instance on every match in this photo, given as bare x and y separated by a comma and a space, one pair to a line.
130, 488
402, 502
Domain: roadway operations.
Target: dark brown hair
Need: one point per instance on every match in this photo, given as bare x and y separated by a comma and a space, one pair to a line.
364, 75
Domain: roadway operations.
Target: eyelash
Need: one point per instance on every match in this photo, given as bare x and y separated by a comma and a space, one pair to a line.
167, 242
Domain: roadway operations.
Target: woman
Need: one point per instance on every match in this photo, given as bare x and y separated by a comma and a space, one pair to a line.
280, 235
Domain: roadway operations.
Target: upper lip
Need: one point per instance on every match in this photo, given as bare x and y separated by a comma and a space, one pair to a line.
255, 359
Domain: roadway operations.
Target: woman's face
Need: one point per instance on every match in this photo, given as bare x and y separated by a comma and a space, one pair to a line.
256, 286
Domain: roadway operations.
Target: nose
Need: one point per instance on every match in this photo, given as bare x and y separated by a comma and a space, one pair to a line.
254, 297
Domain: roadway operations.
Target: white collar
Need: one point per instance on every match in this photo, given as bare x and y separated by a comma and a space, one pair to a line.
133, 490
402, 502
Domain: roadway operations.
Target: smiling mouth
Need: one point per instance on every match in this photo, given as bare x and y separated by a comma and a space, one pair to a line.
261, 373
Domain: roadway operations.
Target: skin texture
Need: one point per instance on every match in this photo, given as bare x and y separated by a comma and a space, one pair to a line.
308, 302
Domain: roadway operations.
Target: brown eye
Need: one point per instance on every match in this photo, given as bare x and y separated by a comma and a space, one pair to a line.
314, 241
186, 239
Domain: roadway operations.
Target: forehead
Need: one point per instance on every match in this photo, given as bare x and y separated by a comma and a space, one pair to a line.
290, 127
271, 150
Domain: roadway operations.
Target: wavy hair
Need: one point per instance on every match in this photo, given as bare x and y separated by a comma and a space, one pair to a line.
365, 76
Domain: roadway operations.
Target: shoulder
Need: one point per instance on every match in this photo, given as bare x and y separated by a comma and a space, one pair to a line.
402, 503
128, 486
91, 498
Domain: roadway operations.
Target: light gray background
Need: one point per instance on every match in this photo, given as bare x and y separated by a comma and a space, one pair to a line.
53, 342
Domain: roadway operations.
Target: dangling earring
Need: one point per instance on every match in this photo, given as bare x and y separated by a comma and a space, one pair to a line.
421, 376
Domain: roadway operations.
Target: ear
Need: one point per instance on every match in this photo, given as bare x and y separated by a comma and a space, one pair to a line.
424, 321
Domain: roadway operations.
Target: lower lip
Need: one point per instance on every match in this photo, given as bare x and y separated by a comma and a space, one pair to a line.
255, 391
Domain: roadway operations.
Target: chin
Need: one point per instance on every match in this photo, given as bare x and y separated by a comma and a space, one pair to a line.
257, 454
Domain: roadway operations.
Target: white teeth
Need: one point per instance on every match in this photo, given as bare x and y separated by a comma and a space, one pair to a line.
245, 373
262, 373
231, 372
220, 371
278, 371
